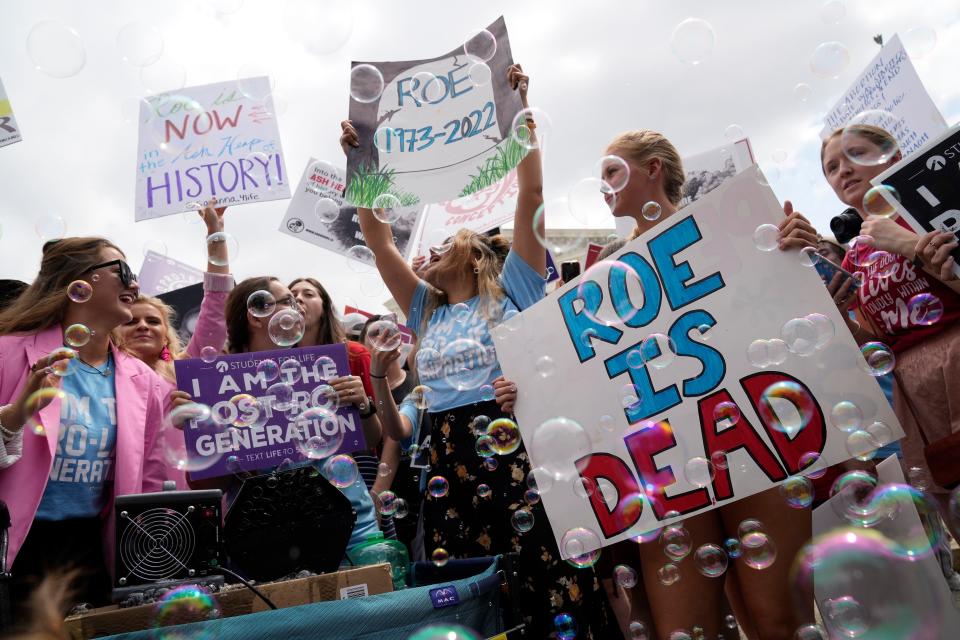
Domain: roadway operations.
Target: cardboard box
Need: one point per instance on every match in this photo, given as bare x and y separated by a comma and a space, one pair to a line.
352, 583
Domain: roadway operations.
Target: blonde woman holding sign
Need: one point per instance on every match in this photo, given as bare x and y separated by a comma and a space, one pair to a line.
472, 507
651, 192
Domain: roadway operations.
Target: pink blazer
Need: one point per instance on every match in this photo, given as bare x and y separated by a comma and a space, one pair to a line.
211, 330
139, 465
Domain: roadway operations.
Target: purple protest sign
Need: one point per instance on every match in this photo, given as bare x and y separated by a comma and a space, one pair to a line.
262, 414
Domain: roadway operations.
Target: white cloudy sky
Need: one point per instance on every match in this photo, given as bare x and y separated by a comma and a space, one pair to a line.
597, 67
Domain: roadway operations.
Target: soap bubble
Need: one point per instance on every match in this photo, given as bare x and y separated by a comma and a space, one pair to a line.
209, 353
217, 240
802, 91
79, 291
522, 520
692, 41
637, 631
506, 436
786, 407
481, 46
386, 208
698, 471
833, 11
290, 370
327, 210
732, 547
861, 444
925, 309
341, 470
545, 366
823, 327
286, 328
860, 150
659, 350
757, 354
319, 27
50, 228
480, 74
710, 560
811, 466
422, 396
651, 210
403, 510
77, 335
878, 359
429, 362
625, 576
487, 393
261, 303
875, 204
719, 460
387, 503
557, 444
846, 416
361, 259
809, 257
847, 615
460, 312
810, 632
384, 335
438, 486
56, 49
440, 556
766, 237
140, 44
471, 364
321, 446
797, 492
862, 252
749, 525
527, 137
829, 60
565, 627
444, 632
757, 550
726, 413
613, 172
582, 546
800, 336
668, 574
676, 542
182, 605
734, 132
366, 83
484, 490
268, 370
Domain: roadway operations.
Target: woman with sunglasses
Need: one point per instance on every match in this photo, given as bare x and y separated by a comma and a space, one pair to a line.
475, 508
249, 333
78, 427
150, 334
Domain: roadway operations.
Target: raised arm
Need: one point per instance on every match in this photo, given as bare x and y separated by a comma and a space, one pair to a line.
211, 328
530, 184
394, 270
394, 426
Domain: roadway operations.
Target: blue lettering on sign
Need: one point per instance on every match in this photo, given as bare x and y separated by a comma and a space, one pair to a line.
675, 276
650, 401
583, 325
714, 366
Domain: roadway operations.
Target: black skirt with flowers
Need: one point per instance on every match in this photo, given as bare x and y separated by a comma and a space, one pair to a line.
466, 524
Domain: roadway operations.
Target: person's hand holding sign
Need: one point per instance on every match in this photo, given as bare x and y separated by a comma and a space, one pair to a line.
933, 251
349, 138
519, 81
217, 259
350, 391
505, 393
796, 231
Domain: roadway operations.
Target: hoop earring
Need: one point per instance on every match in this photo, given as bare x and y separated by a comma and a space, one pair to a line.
476, 270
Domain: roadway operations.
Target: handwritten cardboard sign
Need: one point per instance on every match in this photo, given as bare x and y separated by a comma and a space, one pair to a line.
9, 130
250, 428
218, 140
442, 128
890, 83
926, 187
318, 214
652, 349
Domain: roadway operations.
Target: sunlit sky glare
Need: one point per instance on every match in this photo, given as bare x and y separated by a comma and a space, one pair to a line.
597, 68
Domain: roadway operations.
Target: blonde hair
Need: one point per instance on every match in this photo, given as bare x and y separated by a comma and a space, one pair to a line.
43, 304
877, 135
167, 316
487, 254
642, 145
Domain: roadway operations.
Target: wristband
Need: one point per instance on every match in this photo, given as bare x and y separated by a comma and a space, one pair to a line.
371, 409
6, 433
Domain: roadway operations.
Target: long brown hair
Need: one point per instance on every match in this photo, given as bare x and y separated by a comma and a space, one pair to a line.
330, 330
43, 304
238, 328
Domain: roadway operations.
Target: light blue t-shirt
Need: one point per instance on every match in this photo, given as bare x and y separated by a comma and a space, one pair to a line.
83, 464
362, 503
457, 356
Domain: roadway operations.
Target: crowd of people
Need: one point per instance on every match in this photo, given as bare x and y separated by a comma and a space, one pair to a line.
87, 384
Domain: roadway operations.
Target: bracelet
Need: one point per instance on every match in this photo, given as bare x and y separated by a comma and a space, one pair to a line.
373, 375
371, 409
6, 433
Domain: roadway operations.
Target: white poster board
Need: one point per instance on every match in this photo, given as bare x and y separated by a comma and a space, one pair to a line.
719, 293
890, 82
487, 209
217, 140
704, 172
938, 615
441, 128
306, 219
9, 130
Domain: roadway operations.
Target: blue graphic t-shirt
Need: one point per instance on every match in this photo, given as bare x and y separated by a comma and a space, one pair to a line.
86, 446
457, 356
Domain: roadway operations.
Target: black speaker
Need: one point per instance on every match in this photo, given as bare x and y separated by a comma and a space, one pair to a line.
286, 521
166, 537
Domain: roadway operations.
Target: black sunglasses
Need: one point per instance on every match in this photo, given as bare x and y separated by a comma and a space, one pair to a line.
127, 276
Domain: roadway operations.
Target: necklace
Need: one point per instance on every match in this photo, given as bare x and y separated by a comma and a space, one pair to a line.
104, 372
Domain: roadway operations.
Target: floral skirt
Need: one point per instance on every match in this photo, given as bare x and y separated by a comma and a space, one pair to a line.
470, 520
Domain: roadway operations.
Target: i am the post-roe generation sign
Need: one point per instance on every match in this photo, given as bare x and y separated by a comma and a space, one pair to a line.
262, 414
697, 368
218, 141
